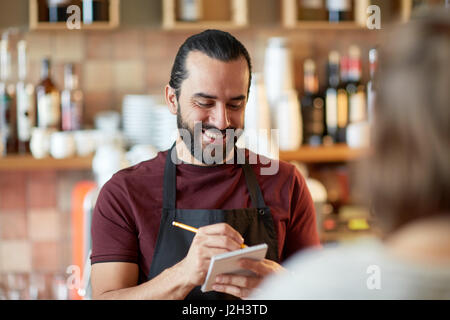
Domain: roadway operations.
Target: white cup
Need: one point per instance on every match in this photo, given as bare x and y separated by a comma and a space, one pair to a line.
62, 145
40, 142
85, 141
108, 121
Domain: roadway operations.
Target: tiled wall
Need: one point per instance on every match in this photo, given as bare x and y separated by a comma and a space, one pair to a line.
35, 234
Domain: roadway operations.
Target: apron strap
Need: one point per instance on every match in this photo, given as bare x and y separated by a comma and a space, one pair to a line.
170, 183
253, 186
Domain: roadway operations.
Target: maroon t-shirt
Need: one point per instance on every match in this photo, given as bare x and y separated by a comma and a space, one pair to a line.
127, 214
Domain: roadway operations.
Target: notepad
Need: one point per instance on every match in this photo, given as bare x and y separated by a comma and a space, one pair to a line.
229, 263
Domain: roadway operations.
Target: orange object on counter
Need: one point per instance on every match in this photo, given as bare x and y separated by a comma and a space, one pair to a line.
79, 236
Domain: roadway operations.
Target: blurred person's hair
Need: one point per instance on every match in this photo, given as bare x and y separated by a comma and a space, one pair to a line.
408, 174
215, 44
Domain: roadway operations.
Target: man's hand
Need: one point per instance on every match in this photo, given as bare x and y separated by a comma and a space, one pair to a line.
242, 286
209, 241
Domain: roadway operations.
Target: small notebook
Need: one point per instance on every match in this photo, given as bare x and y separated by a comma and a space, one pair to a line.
229, 263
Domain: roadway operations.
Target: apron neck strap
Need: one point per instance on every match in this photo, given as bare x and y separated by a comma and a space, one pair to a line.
170, 183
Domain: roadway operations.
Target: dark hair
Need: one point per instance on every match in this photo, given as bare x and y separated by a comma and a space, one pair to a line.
408, 177
216, 44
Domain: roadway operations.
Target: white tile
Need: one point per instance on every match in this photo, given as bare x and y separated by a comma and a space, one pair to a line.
98, 75
15, 256
129, 75
44, 224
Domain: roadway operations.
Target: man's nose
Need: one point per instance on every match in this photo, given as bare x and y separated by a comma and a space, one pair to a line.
221, 119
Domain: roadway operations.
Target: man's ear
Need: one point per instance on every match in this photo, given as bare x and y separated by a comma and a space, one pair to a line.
171, 99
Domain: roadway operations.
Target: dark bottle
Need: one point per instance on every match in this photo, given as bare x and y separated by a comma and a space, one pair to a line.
311, 10
355, 88
339, 10
95, 10
26, 101
342, 101
71, 101
48, 100
331, 100
8, 127
312, 106
57, 10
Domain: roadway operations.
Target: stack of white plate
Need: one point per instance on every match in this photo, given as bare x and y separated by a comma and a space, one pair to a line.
147, 120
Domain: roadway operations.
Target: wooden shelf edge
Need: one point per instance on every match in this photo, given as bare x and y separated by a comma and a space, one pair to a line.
324, 154
28, 163
62, 26
328, 154
319, 25
203, 25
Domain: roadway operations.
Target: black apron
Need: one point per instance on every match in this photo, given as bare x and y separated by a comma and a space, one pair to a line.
254, 224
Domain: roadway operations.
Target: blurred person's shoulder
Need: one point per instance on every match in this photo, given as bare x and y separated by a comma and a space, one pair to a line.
359, 270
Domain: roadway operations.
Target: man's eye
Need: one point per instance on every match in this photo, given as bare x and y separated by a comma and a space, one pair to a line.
233, 106
205, 105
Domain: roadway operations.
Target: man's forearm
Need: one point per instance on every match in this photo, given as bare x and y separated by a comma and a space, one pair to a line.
169, 285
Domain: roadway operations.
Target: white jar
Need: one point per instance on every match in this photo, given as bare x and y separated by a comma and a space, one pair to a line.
288, 121
278, 69
40, 142
62, 145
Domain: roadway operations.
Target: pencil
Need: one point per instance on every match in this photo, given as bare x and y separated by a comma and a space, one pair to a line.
184, 226
192, 229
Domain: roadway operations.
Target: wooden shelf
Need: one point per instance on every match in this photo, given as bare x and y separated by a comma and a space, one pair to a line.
238, 19
324, 154
289, 18
35, 24
28, 163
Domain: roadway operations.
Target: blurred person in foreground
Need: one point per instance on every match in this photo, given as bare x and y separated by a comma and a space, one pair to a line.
407, 182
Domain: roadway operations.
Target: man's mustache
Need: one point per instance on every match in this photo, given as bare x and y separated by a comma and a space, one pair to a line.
206, 126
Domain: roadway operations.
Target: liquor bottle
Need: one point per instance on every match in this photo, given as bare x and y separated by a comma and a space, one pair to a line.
190, 10
371, 95
339, 10
8, 127
312, 106
342, 101
331, 101
57, 10
355, 89
48, 100
311, 10
71, 101
95, 10
26, 101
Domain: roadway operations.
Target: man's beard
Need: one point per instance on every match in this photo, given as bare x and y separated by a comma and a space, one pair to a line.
195, 145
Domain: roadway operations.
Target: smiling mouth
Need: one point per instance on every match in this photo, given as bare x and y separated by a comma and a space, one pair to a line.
211, 136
